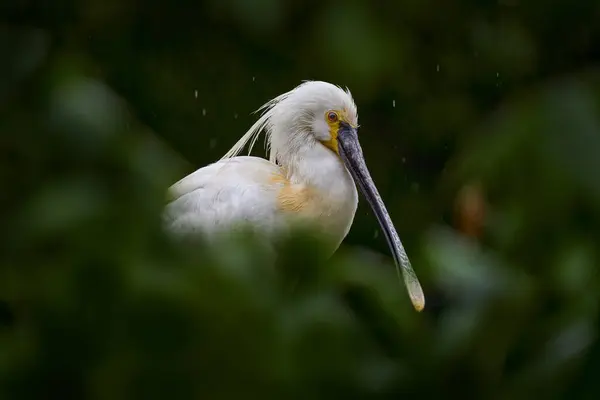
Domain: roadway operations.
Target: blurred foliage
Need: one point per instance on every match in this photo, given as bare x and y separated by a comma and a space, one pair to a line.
480, 124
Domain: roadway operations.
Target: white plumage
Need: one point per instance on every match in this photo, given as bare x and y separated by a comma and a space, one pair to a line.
313, 157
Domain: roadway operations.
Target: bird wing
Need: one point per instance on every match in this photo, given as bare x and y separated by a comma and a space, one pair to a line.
224, 194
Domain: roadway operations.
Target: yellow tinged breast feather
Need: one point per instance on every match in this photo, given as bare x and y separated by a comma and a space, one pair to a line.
291, 197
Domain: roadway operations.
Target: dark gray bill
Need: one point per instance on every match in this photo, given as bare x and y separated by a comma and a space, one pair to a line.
351, 154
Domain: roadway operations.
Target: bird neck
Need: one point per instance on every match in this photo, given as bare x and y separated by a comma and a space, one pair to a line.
316, 166
330, 195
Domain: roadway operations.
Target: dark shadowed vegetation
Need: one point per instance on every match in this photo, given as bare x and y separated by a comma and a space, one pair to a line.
480, 122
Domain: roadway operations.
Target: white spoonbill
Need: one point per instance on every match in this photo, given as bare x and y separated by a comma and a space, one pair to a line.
314, 161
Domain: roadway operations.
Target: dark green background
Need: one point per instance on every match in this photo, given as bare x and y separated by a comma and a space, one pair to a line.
463, 105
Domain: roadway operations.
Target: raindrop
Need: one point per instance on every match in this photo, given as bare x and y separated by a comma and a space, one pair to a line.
213, 143
253, 78
375, 234
196, 93
437, 68
235, 116
204, 112
394, 103
403, 160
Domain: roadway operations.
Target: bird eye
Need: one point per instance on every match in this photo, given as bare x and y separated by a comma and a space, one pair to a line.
332, 116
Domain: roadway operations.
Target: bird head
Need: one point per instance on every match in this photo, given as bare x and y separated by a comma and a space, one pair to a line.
313, 113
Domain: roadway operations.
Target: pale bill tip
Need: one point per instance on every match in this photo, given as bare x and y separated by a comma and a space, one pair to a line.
418, 301
415, 293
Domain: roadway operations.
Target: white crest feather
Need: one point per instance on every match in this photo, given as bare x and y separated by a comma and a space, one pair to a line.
261, 125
